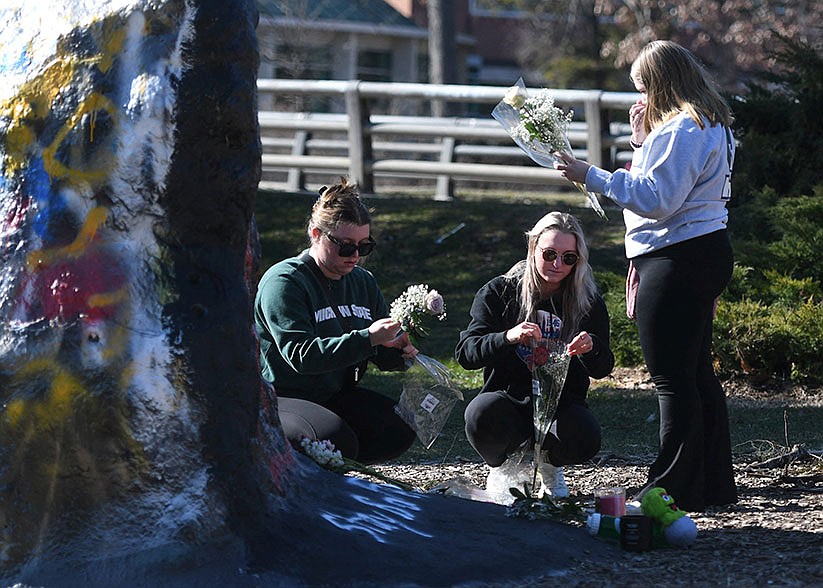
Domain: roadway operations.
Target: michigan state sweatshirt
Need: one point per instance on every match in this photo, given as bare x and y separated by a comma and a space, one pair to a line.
314, 330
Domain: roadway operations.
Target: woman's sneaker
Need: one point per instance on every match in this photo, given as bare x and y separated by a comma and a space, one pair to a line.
552, 481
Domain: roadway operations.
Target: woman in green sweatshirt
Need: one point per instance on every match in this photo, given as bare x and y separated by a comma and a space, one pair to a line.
321, 318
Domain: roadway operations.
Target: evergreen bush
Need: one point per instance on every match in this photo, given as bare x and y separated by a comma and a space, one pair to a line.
770, 318
776, 340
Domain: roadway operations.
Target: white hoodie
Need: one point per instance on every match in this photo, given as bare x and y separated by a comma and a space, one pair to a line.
677, 187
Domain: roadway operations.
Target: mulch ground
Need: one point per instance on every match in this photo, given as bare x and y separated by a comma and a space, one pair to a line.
772, 537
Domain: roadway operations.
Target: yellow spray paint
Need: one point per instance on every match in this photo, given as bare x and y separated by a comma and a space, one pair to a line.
34, 100
55, 168
45, 257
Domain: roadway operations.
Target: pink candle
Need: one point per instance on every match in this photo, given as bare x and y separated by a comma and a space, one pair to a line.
610, 501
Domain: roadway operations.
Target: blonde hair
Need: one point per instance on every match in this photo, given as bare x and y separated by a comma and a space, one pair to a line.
676, 82
578, 288
338, 204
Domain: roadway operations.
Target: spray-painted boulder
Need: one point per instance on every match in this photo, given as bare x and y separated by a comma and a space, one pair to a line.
132, 414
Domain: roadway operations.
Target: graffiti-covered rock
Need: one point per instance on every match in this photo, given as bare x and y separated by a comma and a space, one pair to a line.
130, 162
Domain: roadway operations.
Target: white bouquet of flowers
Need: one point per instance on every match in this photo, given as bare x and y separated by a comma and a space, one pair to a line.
326, 455
540, 129
429, 392
414, 307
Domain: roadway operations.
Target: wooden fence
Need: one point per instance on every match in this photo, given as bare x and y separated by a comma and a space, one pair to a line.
441, 150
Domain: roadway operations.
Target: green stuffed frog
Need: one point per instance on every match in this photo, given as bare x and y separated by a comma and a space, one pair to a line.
678, 528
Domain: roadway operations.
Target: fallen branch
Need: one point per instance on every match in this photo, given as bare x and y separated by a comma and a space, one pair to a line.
809, 482
798, 453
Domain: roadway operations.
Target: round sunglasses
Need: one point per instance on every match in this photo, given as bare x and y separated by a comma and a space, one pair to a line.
568, 258
348, 249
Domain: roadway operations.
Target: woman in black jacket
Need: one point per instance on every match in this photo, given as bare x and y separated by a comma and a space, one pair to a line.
551, 291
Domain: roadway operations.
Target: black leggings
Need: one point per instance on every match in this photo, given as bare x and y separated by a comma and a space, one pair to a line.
675, 310
361, 423
497, 425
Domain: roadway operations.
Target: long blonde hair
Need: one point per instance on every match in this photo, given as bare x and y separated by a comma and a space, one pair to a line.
578, 289
676, 82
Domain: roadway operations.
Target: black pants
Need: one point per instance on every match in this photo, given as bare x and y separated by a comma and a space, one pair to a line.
497, 425
675, 309
361, 423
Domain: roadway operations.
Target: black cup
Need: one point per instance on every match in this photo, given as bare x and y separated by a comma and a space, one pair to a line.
636, 533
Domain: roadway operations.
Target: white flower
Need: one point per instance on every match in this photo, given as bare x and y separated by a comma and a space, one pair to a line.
514, 97
412, 306
434, 303
541, 120
323, 452
540, 129
325, 455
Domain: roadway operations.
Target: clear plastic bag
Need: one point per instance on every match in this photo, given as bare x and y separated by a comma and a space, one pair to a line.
429, 395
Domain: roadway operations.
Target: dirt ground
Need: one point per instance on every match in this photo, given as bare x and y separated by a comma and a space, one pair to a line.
772, 537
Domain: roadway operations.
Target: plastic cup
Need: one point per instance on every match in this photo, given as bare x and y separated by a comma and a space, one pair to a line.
610, 501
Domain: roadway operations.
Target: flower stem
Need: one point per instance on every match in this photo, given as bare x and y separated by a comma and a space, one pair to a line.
349, 465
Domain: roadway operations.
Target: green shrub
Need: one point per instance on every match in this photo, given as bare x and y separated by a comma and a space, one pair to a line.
749, 217
779, 339
805, 323
770, 316
778, 124
800, 224
789, 291
769, 286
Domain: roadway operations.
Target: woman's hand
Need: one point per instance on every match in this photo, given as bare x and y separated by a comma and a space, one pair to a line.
637, 112
387, 332
523, 333
582, 343
570, 168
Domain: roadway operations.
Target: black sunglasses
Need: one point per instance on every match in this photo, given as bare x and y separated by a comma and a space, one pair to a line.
568, 258
348, 249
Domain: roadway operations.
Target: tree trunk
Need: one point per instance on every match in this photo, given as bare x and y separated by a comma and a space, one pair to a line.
442, 49
132, 160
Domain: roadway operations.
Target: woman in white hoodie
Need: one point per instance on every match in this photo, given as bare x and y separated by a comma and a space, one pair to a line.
674, 199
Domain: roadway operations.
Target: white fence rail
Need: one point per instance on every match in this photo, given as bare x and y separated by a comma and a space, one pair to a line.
444, 150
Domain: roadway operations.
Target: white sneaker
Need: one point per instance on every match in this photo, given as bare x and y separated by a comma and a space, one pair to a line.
553, 481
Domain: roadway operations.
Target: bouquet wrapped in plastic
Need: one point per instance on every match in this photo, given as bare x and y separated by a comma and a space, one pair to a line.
429, 392
540, 129
549, 368
429, 395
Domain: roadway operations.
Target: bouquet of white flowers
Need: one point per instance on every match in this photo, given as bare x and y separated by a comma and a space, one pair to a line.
415, 306
325, 454
429, 392
539, 128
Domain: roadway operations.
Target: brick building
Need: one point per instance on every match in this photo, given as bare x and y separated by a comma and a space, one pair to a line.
381, 40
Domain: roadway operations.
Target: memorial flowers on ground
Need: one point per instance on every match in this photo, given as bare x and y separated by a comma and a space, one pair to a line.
539, 128
325, 454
